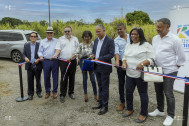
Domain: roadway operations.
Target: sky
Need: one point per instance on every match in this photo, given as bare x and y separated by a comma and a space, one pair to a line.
88, 10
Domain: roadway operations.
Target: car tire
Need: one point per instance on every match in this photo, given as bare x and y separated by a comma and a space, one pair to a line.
16, 56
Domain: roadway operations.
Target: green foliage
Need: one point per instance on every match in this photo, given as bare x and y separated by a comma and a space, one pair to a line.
98, 21
78, 29
43, 22
26, 22
11, 21
138, 17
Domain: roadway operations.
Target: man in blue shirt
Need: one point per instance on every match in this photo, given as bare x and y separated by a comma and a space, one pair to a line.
120, 43
33, 66
46, 52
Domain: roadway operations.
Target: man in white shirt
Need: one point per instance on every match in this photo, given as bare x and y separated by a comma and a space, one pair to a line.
169, 54
66, 47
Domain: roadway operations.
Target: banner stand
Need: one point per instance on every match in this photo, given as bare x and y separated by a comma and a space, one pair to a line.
186, 103
22, 98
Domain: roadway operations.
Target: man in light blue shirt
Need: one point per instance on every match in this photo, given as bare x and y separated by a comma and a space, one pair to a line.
46, 52
33, 66
120, 42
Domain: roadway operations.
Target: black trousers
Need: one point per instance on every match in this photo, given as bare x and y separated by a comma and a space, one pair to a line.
30, 76
70, 74
103, 80
121, 79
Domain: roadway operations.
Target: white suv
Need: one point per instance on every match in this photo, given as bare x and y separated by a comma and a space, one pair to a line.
12, 43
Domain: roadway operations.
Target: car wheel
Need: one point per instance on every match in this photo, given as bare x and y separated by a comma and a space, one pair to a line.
16, 56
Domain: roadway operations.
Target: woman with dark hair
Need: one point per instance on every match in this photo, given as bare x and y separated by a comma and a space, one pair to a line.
84, 51
137, 54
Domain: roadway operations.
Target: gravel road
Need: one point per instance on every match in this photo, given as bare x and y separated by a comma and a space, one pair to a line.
51, 112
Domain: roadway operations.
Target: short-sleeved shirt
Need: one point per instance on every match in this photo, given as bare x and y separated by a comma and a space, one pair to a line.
67, 47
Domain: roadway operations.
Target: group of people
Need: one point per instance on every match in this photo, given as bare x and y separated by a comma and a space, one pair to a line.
130, 51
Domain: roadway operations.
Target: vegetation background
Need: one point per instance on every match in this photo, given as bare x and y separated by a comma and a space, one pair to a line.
133, 19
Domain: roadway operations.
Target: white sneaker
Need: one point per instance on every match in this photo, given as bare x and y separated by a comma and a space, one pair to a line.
168, 121
156, 113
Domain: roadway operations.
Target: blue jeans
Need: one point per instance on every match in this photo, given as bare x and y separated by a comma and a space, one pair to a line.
85, 77
142, 87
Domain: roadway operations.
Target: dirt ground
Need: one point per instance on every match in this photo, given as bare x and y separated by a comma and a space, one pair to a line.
51, 112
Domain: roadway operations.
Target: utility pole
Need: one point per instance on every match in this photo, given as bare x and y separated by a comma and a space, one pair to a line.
49, 13
121, 12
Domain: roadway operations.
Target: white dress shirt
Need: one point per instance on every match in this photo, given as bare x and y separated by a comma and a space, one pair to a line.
169, 52
99, 45
134, 54
67, 47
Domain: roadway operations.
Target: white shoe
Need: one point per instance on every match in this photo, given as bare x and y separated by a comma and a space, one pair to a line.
168, 121
156, 113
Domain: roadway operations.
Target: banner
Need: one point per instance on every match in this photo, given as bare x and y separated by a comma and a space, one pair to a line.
179, 17
183, 33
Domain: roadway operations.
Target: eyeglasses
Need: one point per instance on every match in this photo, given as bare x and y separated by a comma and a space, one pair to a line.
67, 31
33, 36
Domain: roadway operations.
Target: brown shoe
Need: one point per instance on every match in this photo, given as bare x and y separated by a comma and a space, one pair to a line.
141, 119
127, 113
54, 95
121, 107
96, 97
47, 95
86, 98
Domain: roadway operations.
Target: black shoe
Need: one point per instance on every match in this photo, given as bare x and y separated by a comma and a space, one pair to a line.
102, 111
39, 95
72, 96
62, 99
97, 107
30, 97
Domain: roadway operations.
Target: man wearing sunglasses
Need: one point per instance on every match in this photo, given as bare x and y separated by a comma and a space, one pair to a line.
50, 65
66, 47
33, 66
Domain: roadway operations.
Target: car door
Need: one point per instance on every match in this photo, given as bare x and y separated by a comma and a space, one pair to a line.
4, 44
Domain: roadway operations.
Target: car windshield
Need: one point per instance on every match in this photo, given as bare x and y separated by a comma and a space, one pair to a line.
28, 37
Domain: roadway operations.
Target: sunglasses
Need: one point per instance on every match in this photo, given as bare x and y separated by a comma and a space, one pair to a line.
33, 36
67, 31
49, 32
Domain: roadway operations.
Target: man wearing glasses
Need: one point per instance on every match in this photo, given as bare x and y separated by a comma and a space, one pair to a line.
66, 47
46, 52
33, 66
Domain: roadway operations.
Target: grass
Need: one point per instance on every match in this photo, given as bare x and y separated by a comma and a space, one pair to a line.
77, 30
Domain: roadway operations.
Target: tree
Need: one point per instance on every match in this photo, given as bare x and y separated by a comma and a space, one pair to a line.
138, 17
11, 21
26, 22
98, 21
43, 22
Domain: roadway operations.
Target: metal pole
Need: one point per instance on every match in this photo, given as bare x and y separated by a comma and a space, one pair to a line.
186, 103
22, 98
49, 13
